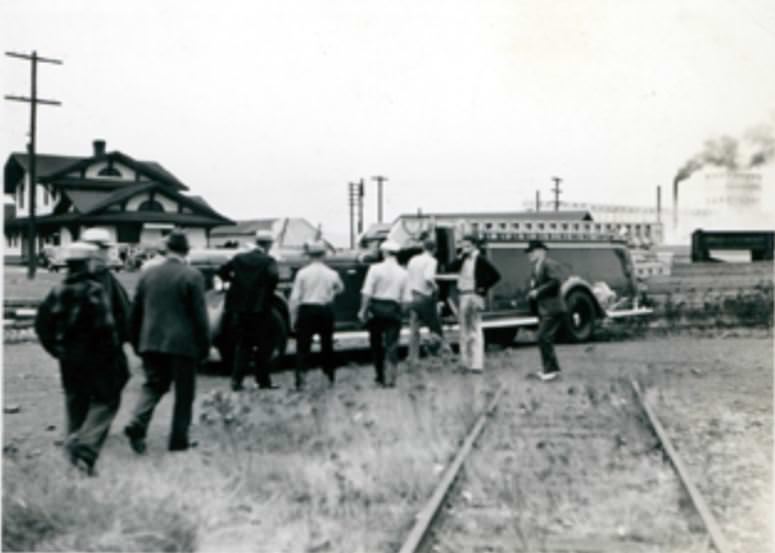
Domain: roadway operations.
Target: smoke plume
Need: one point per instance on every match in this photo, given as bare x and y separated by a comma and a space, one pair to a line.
756, 148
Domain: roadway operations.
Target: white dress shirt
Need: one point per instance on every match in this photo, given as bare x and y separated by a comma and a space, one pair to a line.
466, 281
421, 272
315, 284
387, 281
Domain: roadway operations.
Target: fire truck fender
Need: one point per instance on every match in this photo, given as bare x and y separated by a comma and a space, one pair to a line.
576, 284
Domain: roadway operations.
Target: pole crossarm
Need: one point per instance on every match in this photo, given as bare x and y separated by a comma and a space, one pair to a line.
30, 100
33, 56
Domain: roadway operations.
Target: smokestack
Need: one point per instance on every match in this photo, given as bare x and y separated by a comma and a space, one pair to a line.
659, 204
538, 201
99, 148
675, 203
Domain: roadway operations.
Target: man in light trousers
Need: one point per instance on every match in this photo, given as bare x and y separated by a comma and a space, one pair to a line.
476, 276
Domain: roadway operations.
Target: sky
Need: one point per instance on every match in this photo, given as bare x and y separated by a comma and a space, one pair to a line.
270, 108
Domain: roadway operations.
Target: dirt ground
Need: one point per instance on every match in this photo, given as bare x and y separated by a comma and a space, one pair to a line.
713, 394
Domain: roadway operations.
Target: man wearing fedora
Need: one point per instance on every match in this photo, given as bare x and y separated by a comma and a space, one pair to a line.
169, 329
252, 278
476, 275
384, 295
75, 325
311, 304
546, 300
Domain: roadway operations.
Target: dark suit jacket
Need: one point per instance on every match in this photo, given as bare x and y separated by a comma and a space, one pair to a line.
169, 314
547, 283
253, 278
485, 274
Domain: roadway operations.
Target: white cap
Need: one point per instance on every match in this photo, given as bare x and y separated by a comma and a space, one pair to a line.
79, 250
390, 246
98, 236
315, 247
263, 235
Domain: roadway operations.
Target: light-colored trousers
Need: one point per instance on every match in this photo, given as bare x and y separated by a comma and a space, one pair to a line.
471, 335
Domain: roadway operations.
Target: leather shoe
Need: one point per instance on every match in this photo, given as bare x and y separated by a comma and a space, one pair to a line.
135, 442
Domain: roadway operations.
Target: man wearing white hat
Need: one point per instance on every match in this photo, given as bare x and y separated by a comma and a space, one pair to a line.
253, 277
74, 324
311, 304
384, 294
117, 296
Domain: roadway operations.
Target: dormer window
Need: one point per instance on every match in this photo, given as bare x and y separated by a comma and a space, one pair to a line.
109, 171
151, 205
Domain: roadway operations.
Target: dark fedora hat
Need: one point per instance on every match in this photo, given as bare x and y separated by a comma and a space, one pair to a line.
177, 242
535, 245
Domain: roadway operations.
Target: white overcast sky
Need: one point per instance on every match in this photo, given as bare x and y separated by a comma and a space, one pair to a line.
270, 108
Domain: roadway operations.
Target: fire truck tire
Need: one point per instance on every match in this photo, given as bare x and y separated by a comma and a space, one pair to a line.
580, 318
500, 336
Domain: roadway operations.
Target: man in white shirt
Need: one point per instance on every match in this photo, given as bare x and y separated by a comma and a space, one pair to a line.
312, 297
423, 309
385, 291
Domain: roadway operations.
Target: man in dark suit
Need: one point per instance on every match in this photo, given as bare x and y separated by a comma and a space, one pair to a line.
476, 275
253, 277
547, 301
170, 331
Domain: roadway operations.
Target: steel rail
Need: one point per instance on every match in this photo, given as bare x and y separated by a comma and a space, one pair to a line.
719, 542
424, 519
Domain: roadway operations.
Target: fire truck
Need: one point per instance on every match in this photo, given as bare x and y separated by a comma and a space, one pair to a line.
599, 282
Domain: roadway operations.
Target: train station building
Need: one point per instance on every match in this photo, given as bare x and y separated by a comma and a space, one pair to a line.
138, 202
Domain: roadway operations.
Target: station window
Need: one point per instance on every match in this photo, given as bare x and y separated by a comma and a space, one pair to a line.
488, 225
504, 226
515, 225
540, 226
597, 227
552, 225
528, 226
565, 226
576, 226
21, 196
109, 171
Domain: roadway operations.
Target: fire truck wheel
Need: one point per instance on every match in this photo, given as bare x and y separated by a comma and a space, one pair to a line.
580, 321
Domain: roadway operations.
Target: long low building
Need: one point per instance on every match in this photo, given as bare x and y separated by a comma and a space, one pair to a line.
138, 202
290, 233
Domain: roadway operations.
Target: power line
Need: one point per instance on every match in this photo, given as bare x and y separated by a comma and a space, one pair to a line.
33, 100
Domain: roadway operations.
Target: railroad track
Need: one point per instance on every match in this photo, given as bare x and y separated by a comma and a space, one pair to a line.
447, 522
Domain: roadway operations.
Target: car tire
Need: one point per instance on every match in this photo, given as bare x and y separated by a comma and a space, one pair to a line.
580, 317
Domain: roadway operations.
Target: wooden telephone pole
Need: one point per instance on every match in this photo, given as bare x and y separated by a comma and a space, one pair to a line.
380, 179
556, 191
33, 100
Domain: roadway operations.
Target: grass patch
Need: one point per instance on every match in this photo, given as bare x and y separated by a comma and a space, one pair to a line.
348, 465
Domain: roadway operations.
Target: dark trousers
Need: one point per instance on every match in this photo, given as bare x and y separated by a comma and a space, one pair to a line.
161, 371
384, 330
548, 325
88, 414
253, 342
314, 319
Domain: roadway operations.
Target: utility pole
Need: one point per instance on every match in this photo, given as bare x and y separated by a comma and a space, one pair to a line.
352, 196
33, 100
380, 179
361, 193
556, 191
538, 201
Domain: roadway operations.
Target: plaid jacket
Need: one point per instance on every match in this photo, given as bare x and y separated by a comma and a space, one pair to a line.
74, 322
